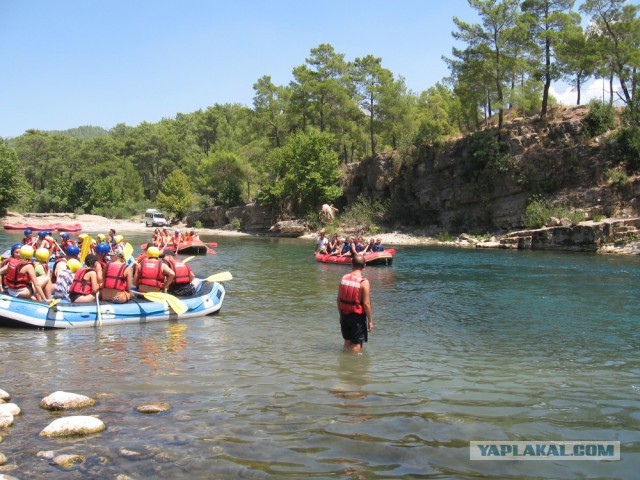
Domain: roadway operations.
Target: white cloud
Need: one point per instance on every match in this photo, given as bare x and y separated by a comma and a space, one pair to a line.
567, 95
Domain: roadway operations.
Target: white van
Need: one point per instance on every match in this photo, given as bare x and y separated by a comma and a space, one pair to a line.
154, 218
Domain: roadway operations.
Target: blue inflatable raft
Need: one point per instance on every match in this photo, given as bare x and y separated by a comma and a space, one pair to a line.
18, 312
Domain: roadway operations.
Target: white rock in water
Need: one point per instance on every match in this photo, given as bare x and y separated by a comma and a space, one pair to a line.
6, 419
48, 454
3, 458
4, 396
77, 425
7, 477
11, 408
68, 461
65, 400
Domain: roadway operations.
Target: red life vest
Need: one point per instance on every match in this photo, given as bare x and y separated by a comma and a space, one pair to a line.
30, 241
55, 266
114, 276
349, 294
151, 273
79, 284
181, 269
13, 278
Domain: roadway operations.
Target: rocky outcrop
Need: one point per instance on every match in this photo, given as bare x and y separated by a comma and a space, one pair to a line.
446, 188
249, 218
603, 236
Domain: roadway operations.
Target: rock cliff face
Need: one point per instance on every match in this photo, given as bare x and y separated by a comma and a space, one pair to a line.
445, 189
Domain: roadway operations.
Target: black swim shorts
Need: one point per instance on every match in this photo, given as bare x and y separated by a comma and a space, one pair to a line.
354, 327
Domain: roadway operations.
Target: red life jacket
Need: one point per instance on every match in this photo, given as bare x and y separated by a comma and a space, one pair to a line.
114, 276
151, 273
79, 284
13, 278
55, 266
349, 294
181, 269
30, 241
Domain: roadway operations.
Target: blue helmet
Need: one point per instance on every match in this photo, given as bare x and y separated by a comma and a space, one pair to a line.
72, 251
42, 234
14, 246
64, 235
27, 231
102, 248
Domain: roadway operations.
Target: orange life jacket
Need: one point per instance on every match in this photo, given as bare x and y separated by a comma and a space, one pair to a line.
79, 284
114, 276
151, 273
181, 269
349, 294
13, 278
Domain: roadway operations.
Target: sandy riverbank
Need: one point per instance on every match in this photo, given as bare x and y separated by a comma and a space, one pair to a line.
95, 224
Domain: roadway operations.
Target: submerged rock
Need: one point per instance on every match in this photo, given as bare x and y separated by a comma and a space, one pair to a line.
6, 419
3, 458
48, 454
66, 400
11, 408
77, 425
154, 408
68, 461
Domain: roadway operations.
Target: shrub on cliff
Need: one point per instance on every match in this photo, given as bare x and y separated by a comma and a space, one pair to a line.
600, 118
629, 148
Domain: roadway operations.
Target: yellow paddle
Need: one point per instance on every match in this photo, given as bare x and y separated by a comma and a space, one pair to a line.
175, 303
219, 277
54, 302
188, 259
128, 251
84, 250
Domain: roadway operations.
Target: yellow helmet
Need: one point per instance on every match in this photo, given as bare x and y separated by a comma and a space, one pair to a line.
118, 238
101, 237
153, 252
73, 264
82, 236
42, 254
26, 252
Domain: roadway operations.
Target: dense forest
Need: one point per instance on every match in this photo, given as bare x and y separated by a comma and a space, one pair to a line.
287, 149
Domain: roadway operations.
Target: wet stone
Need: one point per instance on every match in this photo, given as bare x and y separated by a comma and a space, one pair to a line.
68, 461
66, 400
76, 425
4, 396
6, 419
154, 408
11, 408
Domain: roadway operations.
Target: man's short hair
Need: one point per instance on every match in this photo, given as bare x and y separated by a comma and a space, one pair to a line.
358, 261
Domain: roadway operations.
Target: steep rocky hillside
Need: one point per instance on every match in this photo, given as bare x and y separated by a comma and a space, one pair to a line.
465, 186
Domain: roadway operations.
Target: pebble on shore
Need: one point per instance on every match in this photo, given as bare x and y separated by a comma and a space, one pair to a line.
76, 425
66, 400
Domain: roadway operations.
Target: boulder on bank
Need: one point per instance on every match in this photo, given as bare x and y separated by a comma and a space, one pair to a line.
69, 426
289, 228
65, 400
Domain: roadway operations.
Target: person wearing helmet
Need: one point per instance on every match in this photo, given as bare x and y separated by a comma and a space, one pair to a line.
19, 276
153, 275
65, 241
42, 271
61, 289
72, 251
101, 252
14, 252
29, 239
118, 246
84, 286
116, 287
101, 237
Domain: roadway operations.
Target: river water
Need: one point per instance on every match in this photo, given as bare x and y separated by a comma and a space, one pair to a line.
467, 345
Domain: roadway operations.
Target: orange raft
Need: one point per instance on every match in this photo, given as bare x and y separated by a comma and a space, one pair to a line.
375, 258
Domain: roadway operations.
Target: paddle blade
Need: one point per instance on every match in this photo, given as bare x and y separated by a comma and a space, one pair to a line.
211, 251
84, 250
220, 277
212, 244
128, 251
175, 303
188, 259
54, 303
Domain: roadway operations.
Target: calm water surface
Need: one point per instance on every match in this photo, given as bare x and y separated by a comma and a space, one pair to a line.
468, 345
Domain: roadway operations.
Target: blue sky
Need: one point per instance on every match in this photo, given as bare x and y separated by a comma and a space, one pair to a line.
69, 63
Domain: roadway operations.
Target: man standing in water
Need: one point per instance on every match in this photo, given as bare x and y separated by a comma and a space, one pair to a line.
354, 304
